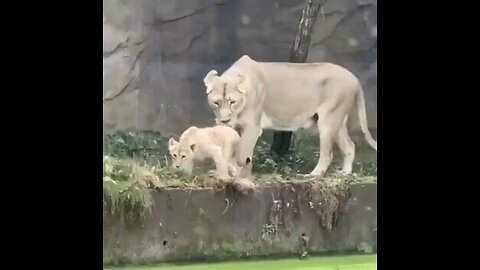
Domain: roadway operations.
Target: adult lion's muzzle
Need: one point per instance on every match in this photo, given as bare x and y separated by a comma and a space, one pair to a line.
225, 121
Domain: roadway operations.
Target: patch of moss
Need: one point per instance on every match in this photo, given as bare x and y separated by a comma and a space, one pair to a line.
327, 199
125, 192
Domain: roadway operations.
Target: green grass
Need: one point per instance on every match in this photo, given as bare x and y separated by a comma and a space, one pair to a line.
362, 262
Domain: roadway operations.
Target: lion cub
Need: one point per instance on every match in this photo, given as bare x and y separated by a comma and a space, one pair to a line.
196, 144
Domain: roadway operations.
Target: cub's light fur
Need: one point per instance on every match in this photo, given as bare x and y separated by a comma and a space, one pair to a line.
252, 96
196, 144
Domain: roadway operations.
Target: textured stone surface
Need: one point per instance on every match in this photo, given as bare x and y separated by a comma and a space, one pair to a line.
198, 224
156, 52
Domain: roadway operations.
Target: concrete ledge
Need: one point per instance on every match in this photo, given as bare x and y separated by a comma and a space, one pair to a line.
195, 224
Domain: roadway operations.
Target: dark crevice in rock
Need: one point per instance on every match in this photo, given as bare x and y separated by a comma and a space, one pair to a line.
132, 67
113, 51
109, 126
121, 90
364, 3
140, 42
117, 47
192, 41
137, 56
222, 3
333, 12
163, 21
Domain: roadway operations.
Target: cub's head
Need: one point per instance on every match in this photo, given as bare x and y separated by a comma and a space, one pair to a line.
182, 154
226, 96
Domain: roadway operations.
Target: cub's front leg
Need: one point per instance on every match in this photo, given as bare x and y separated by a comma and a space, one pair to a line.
221, 164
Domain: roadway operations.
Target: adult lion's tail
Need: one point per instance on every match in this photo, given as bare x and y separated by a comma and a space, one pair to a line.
362, 116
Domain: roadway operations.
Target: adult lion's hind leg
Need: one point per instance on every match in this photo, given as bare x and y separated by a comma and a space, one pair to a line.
326, 154
329, 124
346, 147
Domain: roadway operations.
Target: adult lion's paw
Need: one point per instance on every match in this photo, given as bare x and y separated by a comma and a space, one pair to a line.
224, 178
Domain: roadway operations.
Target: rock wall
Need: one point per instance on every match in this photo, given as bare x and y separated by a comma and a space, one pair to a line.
208, 224
156, 52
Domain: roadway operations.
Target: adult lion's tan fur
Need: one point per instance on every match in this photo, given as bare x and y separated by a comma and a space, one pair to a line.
253, 95
195, 144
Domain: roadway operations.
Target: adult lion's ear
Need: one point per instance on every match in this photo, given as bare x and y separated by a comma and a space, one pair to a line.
209, 78
243, 83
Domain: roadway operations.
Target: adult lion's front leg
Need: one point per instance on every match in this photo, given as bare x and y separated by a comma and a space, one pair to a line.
248, 140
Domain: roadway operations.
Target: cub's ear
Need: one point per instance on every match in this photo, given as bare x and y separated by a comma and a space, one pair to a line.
193, 147
243, 83
209, 79
171, 143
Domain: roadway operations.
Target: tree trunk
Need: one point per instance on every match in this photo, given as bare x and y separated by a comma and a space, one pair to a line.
298, 54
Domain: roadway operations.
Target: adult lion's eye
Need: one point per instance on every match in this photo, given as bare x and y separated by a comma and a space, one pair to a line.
232, 102
216, 103
174, 156
183, 157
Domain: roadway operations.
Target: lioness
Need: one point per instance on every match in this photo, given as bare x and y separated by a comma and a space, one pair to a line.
252, 96
196, 144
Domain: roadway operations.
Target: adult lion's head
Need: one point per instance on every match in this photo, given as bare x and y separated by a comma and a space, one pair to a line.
226, 96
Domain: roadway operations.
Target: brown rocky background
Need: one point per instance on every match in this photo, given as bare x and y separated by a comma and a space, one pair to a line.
156, 52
